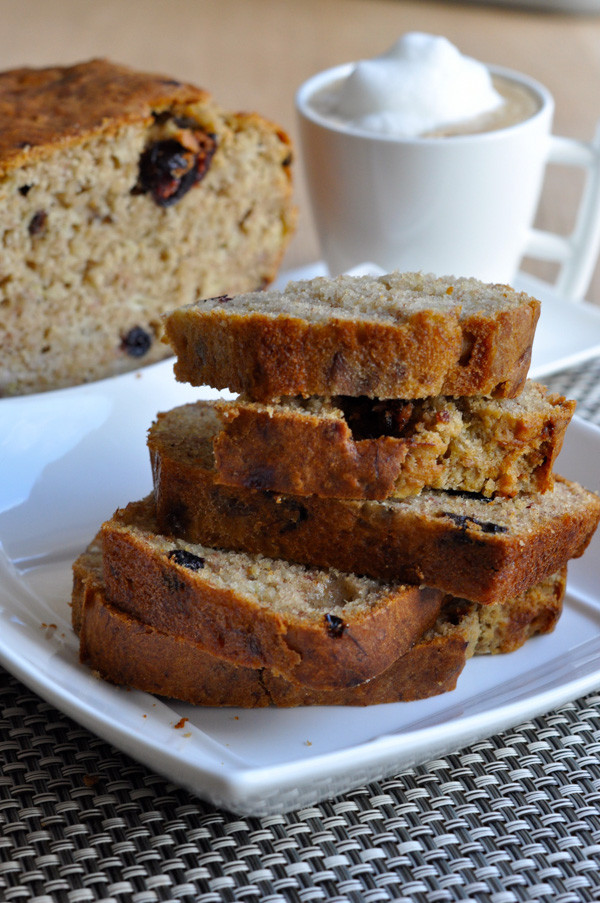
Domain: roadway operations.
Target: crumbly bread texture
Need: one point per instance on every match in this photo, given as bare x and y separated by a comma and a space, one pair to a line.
402, 335
321, 628
125, 650
344, 447
122, 196
487, 550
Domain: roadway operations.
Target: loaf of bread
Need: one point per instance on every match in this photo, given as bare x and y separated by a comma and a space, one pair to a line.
483, 549
346, 447
320, 628
125, 650
124, 195
402, 335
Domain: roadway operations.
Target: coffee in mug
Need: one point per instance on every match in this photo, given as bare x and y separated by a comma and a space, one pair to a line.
424, 159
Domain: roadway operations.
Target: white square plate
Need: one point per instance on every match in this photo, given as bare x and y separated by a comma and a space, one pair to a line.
69, 458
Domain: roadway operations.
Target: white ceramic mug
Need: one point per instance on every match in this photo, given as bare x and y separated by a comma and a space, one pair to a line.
462, 205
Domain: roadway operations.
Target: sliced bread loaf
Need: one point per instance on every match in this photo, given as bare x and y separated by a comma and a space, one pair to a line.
396, 336
321, 628
123, 195
488, 550
125, 650
344, 447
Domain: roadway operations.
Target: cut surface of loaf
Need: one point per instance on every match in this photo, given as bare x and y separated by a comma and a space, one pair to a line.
126, 651
123, 195
317, 627
487, 550
402, 335
344, 447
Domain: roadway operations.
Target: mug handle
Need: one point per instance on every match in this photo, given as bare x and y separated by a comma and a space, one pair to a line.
578, 252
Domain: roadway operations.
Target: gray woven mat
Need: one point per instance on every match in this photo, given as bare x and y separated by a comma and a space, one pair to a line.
513, 818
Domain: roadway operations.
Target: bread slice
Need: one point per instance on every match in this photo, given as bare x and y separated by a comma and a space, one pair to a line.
316, 627
487, 550
124, 194
396, 336
344, 447
124, 650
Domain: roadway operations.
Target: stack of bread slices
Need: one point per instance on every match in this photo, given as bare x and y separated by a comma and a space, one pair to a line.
377, 505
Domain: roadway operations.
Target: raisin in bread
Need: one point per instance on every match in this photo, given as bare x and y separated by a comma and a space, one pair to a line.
124, 650
395, 336
317, 627
344, 447
487, 550
124, 195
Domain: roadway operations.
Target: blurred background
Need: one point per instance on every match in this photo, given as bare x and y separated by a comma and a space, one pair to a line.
253, 54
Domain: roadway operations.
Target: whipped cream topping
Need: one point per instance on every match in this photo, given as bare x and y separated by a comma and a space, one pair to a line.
422, 84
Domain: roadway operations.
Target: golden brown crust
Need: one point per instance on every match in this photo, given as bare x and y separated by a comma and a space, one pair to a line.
491, 446
128, 652
58, 106
443, 350
125, 651
329, 647
485, 550
303, 454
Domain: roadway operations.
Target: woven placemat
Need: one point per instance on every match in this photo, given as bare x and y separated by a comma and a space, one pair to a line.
513, 818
